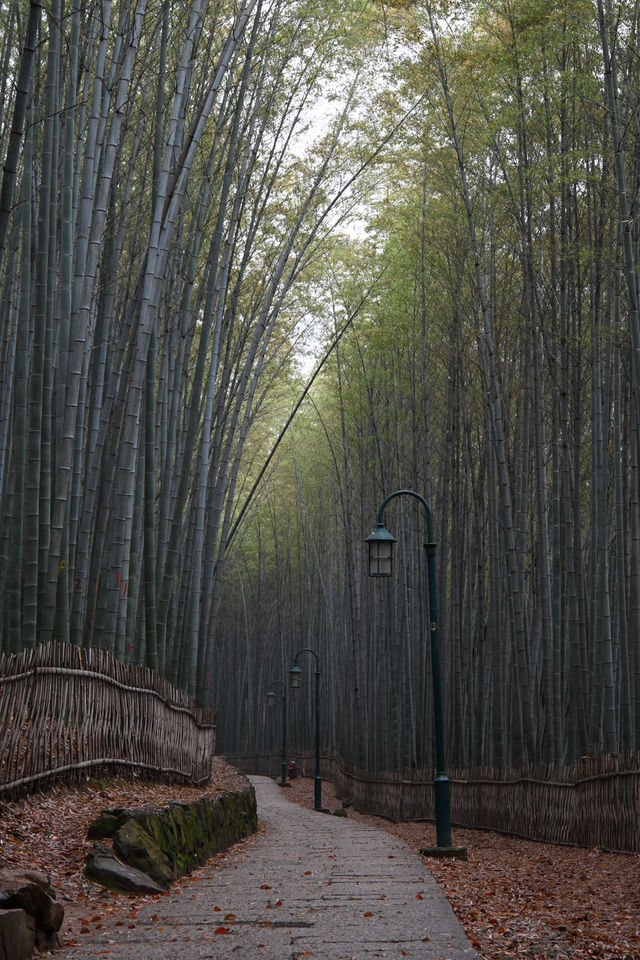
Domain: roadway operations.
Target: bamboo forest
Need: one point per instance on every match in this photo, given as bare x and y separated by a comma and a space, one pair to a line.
264, 262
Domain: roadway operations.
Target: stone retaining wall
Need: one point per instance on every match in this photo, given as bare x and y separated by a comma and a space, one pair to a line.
165, 843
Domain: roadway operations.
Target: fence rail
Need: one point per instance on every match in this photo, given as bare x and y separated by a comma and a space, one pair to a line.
594, 802
65, 711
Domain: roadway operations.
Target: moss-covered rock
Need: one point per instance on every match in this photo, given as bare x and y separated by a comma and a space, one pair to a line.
137, 846
105, 825
167, 842
102, 867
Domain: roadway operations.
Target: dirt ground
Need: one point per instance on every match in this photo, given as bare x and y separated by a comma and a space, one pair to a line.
514, 898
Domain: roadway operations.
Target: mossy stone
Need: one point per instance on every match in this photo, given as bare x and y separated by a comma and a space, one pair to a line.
137, 847
168, 842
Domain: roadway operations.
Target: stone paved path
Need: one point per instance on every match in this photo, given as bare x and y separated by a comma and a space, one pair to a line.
312, 886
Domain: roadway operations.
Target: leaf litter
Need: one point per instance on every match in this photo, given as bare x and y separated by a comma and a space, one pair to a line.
47, 832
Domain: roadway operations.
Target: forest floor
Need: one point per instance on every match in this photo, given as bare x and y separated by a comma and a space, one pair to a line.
514, 898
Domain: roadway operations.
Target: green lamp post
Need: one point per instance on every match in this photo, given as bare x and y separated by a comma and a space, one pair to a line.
271, 699
380, 543
295, 681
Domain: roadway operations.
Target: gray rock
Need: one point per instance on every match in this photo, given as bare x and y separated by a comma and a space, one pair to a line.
139, 848
17, 935
165, 843
103, 867
31, 892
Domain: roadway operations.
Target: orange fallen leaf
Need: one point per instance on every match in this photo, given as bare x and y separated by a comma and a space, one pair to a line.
222, 930
368, 914
229, 916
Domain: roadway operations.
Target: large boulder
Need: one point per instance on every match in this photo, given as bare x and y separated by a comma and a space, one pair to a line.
30, 892
103, 866
136, 844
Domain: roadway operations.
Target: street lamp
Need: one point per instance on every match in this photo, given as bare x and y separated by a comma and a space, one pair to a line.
295, 681
271, 699
380, 544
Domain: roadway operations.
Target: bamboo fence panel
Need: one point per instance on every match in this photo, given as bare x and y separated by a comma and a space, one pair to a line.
65, 711
593, 802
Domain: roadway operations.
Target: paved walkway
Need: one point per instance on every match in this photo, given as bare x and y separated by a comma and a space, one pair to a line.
312, 886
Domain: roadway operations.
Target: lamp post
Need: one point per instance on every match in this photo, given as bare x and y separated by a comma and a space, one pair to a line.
271, 698
380, 544
295, 680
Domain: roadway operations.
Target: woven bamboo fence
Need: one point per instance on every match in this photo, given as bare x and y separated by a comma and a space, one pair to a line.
66, 711
593, 802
